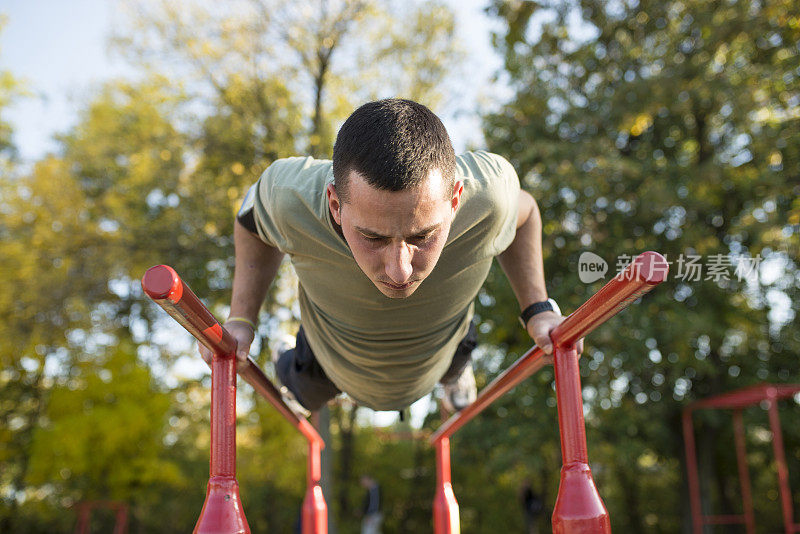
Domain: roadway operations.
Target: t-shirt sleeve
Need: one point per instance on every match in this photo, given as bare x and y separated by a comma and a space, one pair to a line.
506, 193
271, 199
500, 190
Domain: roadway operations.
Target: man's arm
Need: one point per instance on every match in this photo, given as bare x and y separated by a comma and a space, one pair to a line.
256, 264
523, 265
522, 260
255, 268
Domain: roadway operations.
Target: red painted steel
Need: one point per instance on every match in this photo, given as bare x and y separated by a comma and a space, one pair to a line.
723, 520
742, 398
647, 271
315, 511
780, 461
222, 510
579, 506
85, 508
738, 400
445, 506
691, 467
744, 473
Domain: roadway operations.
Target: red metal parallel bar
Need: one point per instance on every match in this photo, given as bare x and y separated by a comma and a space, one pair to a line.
162, 284
579, 507
737, 400
315, 510
646, 271
723, 519
691, 468
222, 510
85, 508
780, 462
253, 375
744, 472
445, 507
746, 396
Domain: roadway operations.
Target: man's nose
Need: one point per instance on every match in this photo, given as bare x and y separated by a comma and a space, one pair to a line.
398, 264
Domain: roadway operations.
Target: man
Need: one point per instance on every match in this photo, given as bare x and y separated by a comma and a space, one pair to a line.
391, 242
371, 511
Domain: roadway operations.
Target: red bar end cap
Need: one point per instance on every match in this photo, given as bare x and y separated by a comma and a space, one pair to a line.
159, 281
653, 267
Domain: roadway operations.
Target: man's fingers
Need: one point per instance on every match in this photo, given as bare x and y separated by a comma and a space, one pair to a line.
545, 344
242, 353
205, 353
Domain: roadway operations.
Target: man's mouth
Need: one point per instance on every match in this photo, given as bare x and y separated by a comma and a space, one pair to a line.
398, 287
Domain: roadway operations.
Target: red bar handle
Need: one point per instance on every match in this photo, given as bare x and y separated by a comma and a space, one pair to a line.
162, 284
646, 271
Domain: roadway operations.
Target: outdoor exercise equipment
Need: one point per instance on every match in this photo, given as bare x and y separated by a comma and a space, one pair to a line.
737, 401
578, 509
84, 510
222, 511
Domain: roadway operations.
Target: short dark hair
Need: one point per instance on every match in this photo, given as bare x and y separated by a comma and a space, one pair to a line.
393, 144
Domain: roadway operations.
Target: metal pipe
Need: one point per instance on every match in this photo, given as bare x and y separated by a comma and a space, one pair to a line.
780, 461
691, 471
645, 272
579, 507
744, 472
445, 507
222, 510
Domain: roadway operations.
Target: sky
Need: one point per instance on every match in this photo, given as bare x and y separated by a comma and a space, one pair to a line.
59, 48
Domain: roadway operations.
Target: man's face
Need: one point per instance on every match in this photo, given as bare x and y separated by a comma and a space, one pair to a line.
396, 237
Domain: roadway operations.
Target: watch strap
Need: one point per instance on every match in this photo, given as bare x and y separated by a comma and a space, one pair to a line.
537, 307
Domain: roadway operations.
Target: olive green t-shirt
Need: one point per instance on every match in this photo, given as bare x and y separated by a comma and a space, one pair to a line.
385, 353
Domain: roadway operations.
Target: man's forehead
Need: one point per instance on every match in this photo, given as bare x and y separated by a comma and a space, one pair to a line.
434, 183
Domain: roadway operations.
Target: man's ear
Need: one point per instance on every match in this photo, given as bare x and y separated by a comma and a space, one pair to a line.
334, 205
455, 200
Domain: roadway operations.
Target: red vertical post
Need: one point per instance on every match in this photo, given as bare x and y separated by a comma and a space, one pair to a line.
780, 461
222, 510
121, 520
84, 509
744, 473
445, 507
578, 506
691, 471
315, 511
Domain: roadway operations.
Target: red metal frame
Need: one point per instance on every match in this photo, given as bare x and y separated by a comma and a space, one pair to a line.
578, 507
737, 401
222, 510
84, 510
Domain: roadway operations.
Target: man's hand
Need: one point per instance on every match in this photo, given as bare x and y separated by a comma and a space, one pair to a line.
242, 333
540, 326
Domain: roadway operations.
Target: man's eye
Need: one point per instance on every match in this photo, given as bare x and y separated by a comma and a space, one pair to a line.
421, 238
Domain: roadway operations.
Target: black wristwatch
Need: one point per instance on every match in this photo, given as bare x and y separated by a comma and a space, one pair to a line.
537, 307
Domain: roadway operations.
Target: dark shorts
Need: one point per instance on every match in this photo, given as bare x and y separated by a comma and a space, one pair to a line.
300, 372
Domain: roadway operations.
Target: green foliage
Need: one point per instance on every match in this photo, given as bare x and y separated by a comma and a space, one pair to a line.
93, 419
664, 126
153, 171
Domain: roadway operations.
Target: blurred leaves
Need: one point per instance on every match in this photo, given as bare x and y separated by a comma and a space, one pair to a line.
95, 402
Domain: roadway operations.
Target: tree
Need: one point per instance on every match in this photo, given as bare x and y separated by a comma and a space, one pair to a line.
330, 55
669, 126
264, 64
